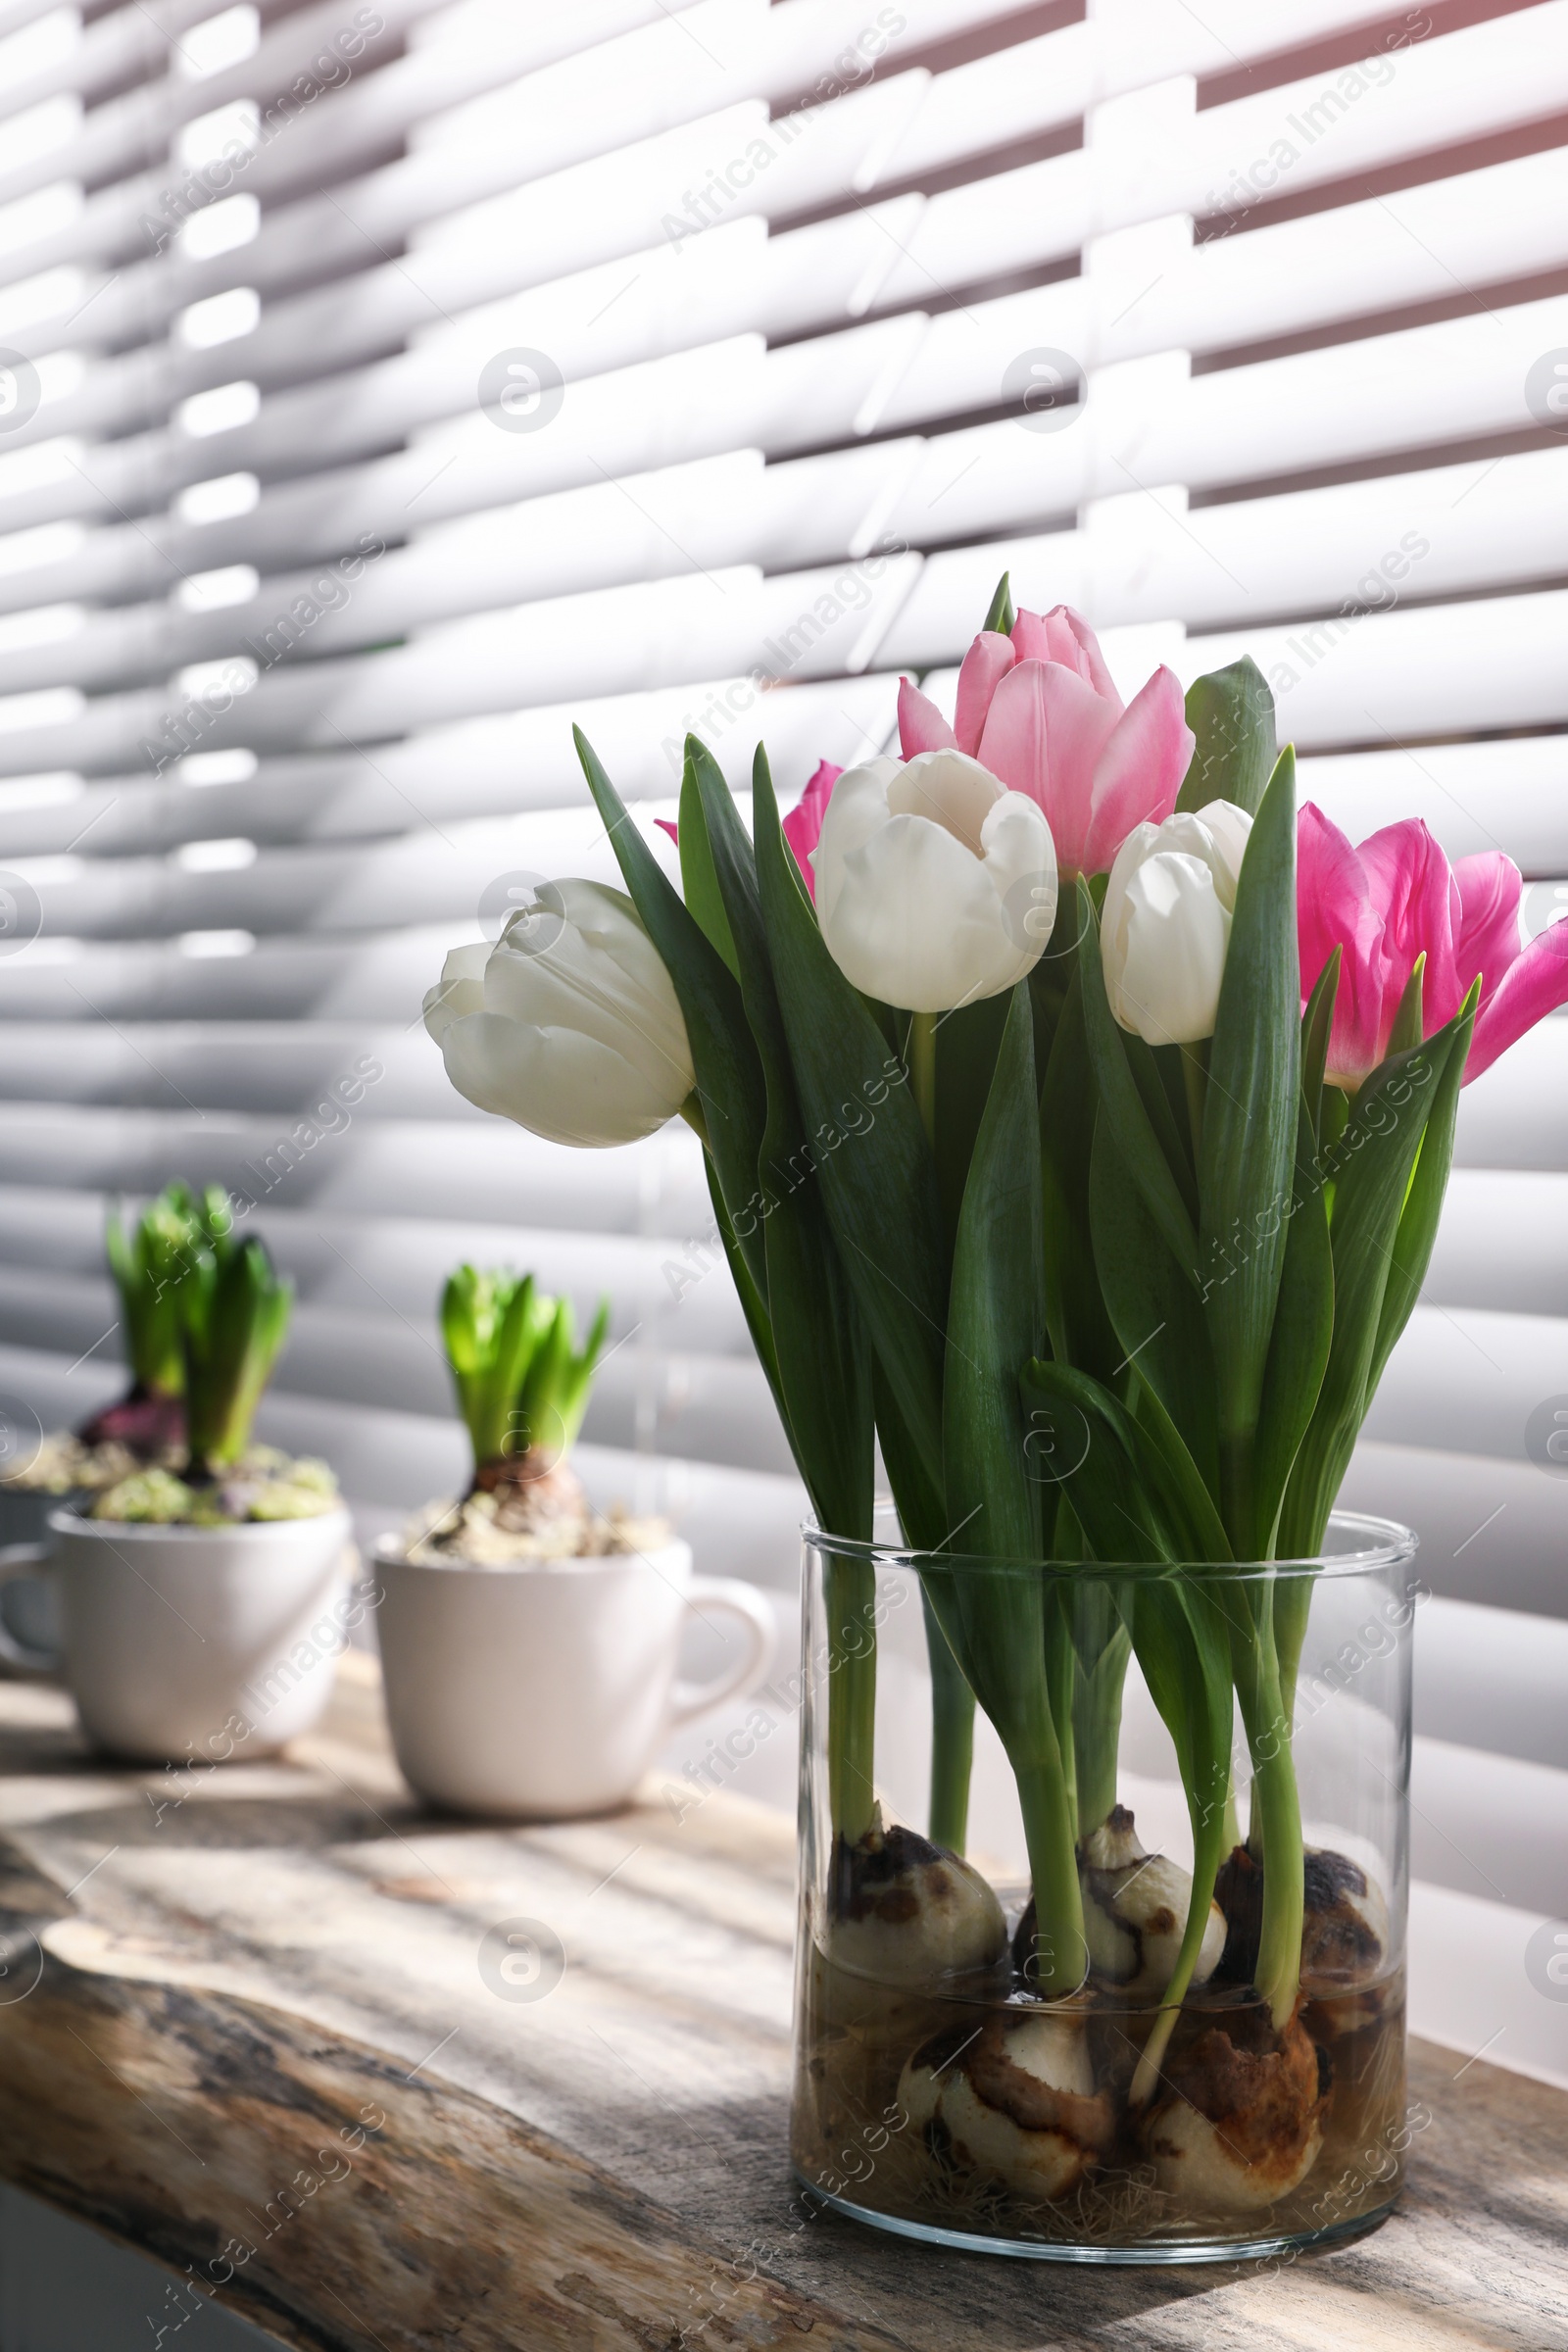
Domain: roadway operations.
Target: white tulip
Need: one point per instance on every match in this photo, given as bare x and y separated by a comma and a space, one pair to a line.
570, 1024
1166, 923
934, 885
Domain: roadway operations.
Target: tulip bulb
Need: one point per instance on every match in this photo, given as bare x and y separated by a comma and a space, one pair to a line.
1344, 1934
1345, 1938
1344, 1944
1016, 2101
1244, 2125
906, 1914
1134, 1912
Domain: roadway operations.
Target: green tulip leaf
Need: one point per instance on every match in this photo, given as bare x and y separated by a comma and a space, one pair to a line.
753, 1304
1411, 1252
967, 1043
1371, 1170
1317, 1021
1010, 1649
994, 1317
1249, 1133
864, 1146
1303, 1333
1000, 617
698, 881
1078, 1440
1124, 1104
730, 1088
820, 1346
1231, 713
1133, 1485
1158, 1324
1079, 1318
1408, 1020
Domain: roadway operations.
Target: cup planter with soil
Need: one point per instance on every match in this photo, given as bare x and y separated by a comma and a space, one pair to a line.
40, 1470
203, 1594
528, 1641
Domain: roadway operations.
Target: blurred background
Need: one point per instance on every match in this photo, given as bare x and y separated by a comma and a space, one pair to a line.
383, 388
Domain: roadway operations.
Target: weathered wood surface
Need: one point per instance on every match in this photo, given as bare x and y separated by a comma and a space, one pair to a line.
243, 2026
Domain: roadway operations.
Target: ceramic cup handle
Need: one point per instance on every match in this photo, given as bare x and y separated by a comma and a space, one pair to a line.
18, 1560
711, 1594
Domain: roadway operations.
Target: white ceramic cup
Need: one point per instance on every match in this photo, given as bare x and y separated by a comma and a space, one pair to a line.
546, 1691
192, 1644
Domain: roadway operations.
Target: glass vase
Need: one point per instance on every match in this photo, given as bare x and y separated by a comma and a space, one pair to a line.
1133, 2069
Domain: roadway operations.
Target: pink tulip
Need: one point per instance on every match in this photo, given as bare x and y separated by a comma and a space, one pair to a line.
1038, 710
803, 826
1397, 897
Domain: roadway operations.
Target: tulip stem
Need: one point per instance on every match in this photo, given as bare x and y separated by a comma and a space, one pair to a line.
1276, 1818
850, 1593
1061, 1957
951, 1737
951, 1700
922, 1060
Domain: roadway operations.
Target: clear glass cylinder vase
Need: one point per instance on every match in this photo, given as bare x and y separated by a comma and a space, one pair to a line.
1183, 2051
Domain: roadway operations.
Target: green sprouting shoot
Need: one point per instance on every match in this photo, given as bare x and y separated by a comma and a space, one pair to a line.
234, 1313
150, 1264
522, 1383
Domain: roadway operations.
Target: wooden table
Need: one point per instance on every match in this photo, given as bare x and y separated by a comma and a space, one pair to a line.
244, 2026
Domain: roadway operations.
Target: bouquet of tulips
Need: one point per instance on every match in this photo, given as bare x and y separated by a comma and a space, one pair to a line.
1077, 1116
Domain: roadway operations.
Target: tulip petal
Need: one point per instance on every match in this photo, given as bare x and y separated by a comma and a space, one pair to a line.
1044, 734
921, 725
1226, 831
1395, 897
1164, 950
1334, 909
1411, 884
917, 922
1534, 984
580, 962
557, 1083
949, 788
985, 665
460, 989
857, 809
802, 827
1488, 941
1139, 771
1065, 636
928, 875
1020, 858
551, 990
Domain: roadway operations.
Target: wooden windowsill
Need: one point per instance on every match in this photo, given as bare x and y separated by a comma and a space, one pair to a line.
260, 2044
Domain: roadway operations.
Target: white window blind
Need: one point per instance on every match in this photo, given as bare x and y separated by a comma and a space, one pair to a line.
384, 386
